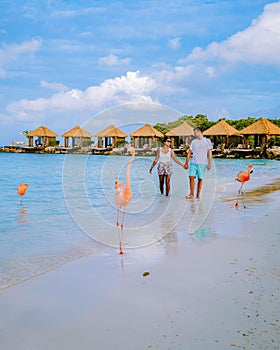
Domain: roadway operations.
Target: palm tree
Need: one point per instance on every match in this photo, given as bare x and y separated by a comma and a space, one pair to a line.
25, 133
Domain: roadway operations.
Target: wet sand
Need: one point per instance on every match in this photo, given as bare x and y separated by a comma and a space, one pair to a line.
219, 291
258, 194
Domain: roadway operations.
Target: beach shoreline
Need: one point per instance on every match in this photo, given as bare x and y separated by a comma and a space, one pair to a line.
226, 154
219, 292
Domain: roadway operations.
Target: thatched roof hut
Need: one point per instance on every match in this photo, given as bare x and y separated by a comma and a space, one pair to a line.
183, 129
146, 131
222, 133
261, 127
222, 128
262, 130
78, 135
44, 135
181, 135
145, 136
112, 136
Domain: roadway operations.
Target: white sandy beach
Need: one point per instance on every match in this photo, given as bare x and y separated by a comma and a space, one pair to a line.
218, 292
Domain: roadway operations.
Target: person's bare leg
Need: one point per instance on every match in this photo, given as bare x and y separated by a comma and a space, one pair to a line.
191, 195
167, 184
199, 187
161, 183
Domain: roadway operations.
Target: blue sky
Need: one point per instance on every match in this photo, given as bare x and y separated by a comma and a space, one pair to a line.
61, 62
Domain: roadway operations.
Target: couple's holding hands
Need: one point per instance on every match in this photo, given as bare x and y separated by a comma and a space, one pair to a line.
198, 160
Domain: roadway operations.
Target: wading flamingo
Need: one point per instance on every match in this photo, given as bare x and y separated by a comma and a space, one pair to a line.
242, 177
22, 189
123, 196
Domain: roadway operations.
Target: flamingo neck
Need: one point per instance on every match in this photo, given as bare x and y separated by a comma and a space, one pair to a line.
127, 185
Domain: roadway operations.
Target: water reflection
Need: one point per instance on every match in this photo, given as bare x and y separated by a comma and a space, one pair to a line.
172, 243
197, 216
23, 215
196, 220
204, 232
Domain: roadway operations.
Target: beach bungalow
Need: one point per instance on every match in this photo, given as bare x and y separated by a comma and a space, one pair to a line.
145, 136
44, 135
112, 136
181, 136
222, 133
262, 130
79, 137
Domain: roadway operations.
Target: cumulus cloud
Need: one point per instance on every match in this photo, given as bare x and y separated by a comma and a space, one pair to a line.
173, 80
132, 87
113, 60
175, 43
12, 52
54, 86
259, 43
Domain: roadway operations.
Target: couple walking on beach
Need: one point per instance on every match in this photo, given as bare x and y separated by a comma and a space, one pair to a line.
198, 160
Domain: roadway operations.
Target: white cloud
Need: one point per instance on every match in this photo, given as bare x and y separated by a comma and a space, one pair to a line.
219, 113
113, 60
173, 80
30, 12
71, 46
210, 71
79, 12
131, 87
54, 86
175, 43
259, 43
12, 52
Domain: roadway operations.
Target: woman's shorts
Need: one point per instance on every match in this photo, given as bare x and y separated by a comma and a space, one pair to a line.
165, 169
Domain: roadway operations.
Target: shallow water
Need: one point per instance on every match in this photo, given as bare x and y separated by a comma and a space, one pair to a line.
69, 207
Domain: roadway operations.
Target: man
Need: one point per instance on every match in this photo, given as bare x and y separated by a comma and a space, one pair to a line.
201, 151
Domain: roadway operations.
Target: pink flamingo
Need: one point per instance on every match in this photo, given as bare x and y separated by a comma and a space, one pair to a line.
22, 189
123, 196
242, 177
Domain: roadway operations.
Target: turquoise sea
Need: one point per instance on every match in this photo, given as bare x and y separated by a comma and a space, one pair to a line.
68, 210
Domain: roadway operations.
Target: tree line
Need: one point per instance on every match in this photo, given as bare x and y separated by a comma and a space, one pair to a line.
202, 121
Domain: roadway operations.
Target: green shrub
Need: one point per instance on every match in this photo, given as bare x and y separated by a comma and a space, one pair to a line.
274, 141
87, 143
52, 143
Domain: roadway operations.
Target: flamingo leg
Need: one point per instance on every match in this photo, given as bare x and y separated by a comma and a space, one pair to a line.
121, 231
243, 201
118, 217
120, 227
239, 193
122, 222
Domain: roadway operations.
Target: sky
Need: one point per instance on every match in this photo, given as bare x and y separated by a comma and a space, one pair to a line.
64, 62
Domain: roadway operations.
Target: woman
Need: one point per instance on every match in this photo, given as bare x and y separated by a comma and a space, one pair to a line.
163, 158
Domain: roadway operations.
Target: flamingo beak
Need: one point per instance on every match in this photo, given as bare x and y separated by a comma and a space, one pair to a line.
251, 171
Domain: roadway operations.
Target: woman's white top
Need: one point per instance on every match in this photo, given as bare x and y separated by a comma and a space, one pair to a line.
164, 158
